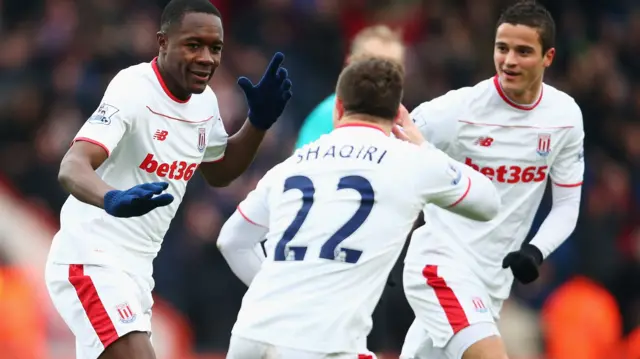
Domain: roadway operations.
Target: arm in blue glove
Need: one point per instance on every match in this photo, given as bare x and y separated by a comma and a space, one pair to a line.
77, 175
138, 200
266, 101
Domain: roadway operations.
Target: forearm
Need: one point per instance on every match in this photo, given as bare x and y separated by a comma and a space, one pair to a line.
481, 201
239, 154
560, 222
239, 243
81, 181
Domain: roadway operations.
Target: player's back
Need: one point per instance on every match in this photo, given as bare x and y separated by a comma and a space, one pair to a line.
339, 212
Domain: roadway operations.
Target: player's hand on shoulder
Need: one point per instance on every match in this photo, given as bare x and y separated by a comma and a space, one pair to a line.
137, 200
405, 130
268, 98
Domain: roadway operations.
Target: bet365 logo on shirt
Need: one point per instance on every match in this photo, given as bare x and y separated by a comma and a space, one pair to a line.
511, 174
103, 114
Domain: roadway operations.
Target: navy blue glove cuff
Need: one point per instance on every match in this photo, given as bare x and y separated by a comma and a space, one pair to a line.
109, 199
260, 124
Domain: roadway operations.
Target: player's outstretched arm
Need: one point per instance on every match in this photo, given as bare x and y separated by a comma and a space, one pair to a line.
240, 237
239, 243
77, 175
457, 187
448, 183
266, 101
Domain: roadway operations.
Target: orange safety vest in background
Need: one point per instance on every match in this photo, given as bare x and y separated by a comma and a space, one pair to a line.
581, 320
22, 322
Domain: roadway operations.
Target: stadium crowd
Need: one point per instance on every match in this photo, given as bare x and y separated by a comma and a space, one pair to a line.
60, 54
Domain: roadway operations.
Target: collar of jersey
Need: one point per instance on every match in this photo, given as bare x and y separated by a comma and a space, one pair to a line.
154, 65
361, 125
496, 82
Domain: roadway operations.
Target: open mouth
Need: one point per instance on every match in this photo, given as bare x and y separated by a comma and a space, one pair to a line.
202, 76
510, 73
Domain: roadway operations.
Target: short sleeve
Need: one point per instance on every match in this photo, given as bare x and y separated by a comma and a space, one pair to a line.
442, 180
113, 117
568, 168
217, 143
437, 118
255, 208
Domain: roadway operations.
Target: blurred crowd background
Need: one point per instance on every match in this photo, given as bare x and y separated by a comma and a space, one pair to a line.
59, 56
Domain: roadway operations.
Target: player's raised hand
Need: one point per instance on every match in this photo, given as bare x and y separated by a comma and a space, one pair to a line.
267, 99
404, 128
524, 263
138, 200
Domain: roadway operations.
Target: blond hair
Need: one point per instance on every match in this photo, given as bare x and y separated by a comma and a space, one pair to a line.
379, 32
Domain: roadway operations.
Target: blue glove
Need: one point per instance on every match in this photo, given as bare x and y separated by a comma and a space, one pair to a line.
136, 201
267, 99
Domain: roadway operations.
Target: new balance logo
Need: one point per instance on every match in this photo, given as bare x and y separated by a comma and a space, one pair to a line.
484, 141
160, 135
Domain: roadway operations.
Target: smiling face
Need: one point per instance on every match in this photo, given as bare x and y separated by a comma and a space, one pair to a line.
192, 51
519, 58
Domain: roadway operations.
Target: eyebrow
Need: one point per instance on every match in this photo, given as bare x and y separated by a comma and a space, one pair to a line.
199, 39
502, 43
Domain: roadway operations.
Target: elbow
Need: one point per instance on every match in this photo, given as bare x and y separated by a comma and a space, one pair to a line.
64, 175
490, 210
219, 182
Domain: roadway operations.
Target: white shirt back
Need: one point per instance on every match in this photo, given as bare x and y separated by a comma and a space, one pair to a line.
338, 213
150, 136
518, 148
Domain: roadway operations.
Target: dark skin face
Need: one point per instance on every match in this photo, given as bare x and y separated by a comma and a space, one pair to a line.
190, 52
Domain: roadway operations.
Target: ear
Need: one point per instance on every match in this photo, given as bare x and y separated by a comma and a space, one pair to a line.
549, 56
338, 112
163, 41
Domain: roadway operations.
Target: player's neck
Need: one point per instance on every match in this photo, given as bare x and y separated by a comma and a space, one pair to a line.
172, 85
526, 97
366, 121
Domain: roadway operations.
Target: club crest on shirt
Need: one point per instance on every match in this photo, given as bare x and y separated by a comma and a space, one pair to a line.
544, 144
202, 139
125, 313
102, 116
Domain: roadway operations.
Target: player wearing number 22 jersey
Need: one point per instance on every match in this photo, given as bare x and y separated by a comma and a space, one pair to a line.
336, 215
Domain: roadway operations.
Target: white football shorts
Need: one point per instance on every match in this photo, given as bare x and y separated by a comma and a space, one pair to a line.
243, 348
99, 304
453, 311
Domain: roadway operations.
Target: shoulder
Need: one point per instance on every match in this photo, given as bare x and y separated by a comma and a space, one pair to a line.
565, 104
131, 78
453, 102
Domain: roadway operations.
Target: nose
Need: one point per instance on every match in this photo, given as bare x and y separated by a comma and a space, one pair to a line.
206, 57
510, 59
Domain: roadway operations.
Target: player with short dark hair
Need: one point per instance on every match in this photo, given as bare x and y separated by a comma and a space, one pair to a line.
127, 171
336, 216
371, 88
521, 133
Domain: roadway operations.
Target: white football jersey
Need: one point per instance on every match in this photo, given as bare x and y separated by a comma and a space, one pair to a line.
338, 213
150, 136
519, 148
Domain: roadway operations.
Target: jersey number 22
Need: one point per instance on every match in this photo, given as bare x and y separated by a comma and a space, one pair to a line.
329, 249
